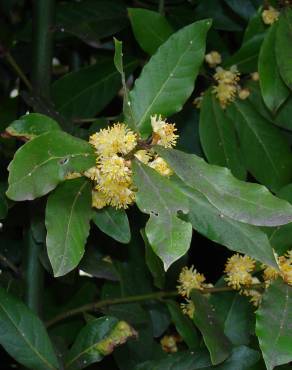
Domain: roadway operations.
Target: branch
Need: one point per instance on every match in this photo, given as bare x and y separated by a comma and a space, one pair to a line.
9, 264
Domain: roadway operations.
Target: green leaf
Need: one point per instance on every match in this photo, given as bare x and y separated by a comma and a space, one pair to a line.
283, 46
91, 20
236, 314
274, 324
24, 336
96, 340
245, 202
151, 29
68, 215
218, 137
42, 163
207, 322
174, 69
86, 92
274, 90
153, 263
3, 200
263, 146
237, 236
183, 325
169, 236
31, 125
113, 222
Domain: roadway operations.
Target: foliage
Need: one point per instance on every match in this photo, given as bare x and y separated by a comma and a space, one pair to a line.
146, 184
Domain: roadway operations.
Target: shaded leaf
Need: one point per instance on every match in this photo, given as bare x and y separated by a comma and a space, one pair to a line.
274, 90
274, 324
97, 339
207, 322
174, 69
151, 29
263, 146
218, 137
183, 325
31, 125
242, 201
42, 163
3, 200
283, 46
24, 336
68, 214
168, 235
114, 223
86, 92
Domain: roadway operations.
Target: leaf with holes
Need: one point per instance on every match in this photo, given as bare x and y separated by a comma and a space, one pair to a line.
42, 163
169, 235
68, 215
168, 79
274, 324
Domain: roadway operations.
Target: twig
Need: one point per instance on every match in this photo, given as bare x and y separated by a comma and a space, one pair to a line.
9, 264
18, 70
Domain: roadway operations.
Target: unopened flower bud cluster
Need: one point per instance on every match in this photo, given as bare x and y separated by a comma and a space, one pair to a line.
115, 148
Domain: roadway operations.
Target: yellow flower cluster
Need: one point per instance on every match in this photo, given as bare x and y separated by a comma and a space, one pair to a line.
213, 58
238, 269
112, 175
227, 85
188, 280
270, 15
285, 266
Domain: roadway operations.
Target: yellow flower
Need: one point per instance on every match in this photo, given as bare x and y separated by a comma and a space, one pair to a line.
286, 269
270, 273
112, 140
270, 15
238, 269
255, 295
114, 168
213, 58
189, 279
243, 94
255, 76
188, 308
161, 166
168, 343
143, 155
92, 173
164, 133
98, 199
228, 77
72, 175
117, 194
225, 93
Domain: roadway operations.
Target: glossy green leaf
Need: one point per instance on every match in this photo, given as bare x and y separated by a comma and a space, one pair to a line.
97, 339
42, 163
265, 150
207, 322
245, 202
168, 235
68, 214
31, 125
237, 236
218, 137
174, 69
154, 263
183, 325
274, 324
274, 90
113, 222
150, 28
283, 46
3, 200
91, 20
86, 92
236, 313
24, 336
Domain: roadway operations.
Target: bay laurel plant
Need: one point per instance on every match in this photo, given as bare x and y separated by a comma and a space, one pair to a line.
146, 185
